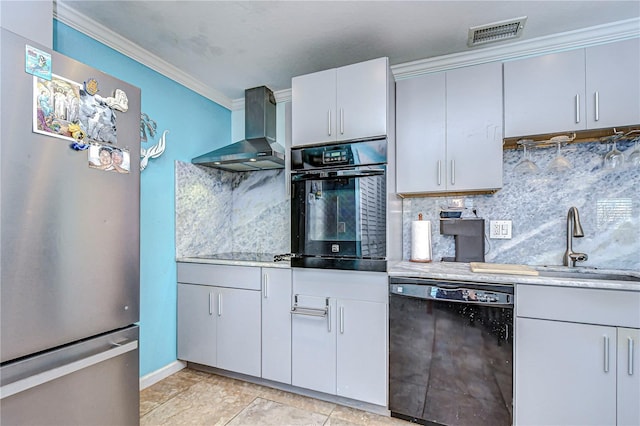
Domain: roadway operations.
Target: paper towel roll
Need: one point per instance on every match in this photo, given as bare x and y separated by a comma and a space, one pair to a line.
421, 241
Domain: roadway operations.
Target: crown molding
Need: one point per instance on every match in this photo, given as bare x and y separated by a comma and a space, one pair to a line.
67, 15
615, 31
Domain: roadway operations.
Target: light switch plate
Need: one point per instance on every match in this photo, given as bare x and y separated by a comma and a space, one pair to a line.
500, 229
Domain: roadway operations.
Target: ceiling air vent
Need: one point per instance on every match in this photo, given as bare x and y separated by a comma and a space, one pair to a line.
498, 31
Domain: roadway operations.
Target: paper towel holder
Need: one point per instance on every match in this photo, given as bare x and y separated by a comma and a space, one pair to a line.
428, 257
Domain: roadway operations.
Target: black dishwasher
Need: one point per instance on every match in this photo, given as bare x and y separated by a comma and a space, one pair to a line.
450, 352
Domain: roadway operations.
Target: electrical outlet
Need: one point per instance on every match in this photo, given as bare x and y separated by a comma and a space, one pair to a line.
500, 229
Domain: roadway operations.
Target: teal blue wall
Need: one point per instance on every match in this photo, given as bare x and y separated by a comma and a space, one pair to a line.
196, 126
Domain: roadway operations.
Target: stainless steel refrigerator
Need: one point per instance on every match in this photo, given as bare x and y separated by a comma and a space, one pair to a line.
70, 241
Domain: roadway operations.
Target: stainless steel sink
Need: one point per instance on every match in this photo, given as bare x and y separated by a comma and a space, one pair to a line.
579, 273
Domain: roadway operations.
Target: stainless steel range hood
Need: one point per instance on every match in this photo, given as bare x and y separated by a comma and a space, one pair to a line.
258, 151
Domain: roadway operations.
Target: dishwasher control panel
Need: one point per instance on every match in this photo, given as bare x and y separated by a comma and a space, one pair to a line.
455, 292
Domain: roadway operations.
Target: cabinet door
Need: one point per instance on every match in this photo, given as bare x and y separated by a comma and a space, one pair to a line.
420, 134
613, 84
628, 376
362, 100
474, 128
545, 94
313, 108
362, 351
196, 324
276, 324
313, 347
238, 316
565, 373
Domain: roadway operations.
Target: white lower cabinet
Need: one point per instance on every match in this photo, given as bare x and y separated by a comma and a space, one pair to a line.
239, 319
628, 388
562, 377
361, 336
197, 335
219, 315
339, 333
577, 356
238, 330
276, 324
313, 344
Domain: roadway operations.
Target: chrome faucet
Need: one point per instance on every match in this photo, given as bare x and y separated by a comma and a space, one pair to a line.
574, 229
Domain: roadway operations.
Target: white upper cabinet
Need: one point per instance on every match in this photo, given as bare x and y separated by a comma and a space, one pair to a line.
341, 104
362, 95
474, 128
613, 84
544, 94
449, 131
313, 108
420, 133
581, 89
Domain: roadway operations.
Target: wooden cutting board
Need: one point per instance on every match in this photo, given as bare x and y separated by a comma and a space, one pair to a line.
502, 268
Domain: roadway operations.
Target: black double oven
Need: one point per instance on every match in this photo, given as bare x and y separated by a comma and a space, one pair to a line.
338, 207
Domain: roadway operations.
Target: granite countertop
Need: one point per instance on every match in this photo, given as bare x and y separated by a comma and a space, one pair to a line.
462, 272
262, 260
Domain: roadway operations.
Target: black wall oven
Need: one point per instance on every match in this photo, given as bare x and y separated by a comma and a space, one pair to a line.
338, 210
450, 352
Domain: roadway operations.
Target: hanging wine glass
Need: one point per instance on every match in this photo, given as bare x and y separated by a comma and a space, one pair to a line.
526, 166
614, 158
634, 157
559, 163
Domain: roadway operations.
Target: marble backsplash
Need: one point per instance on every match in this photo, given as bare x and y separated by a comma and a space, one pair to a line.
537, 205
219, 211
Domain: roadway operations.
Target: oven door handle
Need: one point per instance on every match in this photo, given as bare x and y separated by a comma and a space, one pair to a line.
326, 175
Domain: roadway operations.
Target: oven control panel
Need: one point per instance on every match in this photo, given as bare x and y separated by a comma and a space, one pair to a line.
335, 156
360, 153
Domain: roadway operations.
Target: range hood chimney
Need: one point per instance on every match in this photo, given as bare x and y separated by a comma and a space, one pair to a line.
257, 151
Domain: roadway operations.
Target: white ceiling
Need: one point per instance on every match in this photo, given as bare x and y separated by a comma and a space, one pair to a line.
230, 46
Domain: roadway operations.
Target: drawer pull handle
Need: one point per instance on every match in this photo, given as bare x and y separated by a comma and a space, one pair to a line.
66, 369
606, 354
309, 312
265, 286
630, 354
453, 172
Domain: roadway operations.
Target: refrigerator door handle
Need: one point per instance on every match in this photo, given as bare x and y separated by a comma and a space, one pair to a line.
55, 373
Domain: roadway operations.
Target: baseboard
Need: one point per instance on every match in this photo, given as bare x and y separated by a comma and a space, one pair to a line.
162, 373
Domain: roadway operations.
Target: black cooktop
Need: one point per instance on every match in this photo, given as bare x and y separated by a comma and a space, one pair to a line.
245, 256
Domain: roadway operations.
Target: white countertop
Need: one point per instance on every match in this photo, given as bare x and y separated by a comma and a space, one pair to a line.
283, 264
462, 272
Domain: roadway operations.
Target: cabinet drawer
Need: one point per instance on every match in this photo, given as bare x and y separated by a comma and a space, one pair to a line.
358, 285
243, 277
585, 305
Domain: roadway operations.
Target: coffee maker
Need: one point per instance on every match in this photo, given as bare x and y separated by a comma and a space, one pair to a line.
469, 238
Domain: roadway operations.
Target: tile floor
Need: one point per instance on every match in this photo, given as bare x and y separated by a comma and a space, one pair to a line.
199, 398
